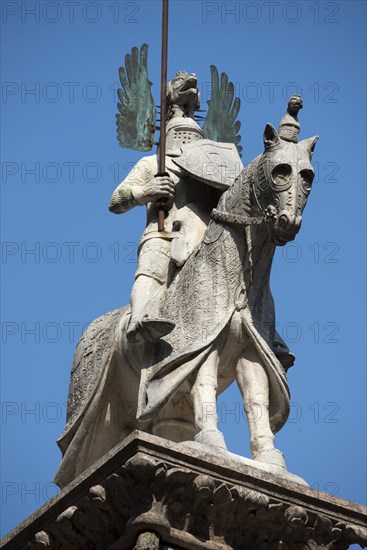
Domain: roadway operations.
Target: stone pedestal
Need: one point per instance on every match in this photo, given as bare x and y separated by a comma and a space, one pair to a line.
151, 494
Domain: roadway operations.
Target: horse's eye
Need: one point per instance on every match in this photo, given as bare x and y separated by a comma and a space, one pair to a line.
306, 179
281, 174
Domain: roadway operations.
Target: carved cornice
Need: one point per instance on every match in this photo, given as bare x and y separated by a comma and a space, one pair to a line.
152, 494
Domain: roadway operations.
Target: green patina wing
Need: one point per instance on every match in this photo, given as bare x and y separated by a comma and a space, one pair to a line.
220, 123
136, 117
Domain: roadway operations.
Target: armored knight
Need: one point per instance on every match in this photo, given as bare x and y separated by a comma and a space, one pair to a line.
191, 197
200, 163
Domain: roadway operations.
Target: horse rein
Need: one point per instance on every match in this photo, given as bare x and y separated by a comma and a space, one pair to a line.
268, 214
267, 217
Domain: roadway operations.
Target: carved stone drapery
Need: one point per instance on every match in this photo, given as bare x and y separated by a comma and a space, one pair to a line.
151, 494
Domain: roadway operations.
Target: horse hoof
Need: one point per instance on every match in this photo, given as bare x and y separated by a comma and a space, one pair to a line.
215, 438
271, 456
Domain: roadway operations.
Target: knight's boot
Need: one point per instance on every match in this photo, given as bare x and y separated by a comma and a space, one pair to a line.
215, 438
148, 329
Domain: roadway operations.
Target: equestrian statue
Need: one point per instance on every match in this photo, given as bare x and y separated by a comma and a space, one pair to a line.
201, 314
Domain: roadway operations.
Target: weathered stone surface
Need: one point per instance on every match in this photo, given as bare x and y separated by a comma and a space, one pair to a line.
213, 295
151, 494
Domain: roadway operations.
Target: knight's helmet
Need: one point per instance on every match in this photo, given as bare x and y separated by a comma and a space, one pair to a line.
181, 131
289, 126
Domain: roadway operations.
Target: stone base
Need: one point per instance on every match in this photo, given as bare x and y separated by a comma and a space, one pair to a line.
279, 471
151, 494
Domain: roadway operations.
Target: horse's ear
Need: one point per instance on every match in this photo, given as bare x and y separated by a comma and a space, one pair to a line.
271, 137
309, 144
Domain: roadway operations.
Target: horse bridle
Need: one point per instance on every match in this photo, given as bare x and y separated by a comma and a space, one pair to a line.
242, 220
268, 213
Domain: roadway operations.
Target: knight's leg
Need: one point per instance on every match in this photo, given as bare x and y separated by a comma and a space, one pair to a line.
254, 386
204, 393
147, 293
145, 298
144, 288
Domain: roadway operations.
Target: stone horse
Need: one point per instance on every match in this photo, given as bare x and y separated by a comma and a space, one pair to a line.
221, 303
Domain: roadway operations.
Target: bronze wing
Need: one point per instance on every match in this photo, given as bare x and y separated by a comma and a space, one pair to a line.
220, 123
137, 113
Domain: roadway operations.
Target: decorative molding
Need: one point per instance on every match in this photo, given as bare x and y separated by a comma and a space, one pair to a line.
152, 494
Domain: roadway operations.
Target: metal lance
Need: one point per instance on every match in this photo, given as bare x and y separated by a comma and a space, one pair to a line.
162, 207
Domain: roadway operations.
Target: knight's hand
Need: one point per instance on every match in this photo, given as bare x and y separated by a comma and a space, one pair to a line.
159, 187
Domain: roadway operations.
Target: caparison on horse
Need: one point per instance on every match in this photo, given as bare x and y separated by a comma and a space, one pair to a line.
221, 303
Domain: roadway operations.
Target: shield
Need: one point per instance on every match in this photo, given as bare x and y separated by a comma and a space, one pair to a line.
213, 163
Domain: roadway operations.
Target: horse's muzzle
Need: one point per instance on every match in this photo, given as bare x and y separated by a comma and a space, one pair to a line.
286, 228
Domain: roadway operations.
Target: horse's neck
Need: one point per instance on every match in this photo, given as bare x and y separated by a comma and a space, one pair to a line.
235, 205
259, 247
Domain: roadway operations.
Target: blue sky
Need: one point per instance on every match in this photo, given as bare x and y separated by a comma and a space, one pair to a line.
61, 162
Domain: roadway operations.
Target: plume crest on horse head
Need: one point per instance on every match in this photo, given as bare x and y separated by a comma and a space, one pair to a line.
206, 314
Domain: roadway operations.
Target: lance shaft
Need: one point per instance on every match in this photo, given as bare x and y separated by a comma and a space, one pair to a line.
162, 140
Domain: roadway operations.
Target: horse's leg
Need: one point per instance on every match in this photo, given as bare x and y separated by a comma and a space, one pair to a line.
254, 386
204, 393
176, 420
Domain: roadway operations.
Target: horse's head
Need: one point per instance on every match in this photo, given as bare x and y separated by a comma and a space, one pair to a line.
282, 183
